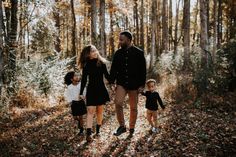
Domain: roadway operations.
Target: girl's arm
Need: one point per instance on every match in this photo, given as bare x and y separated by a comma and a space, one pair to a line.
67, 96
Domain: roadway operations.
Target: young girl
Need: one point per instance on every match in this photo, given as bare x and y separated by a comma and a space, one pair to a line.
151, 104
94, 69
72, 96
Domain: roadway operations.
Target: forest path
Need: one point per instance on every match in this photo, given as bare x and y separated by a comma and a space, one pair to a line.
52, 131
185, 130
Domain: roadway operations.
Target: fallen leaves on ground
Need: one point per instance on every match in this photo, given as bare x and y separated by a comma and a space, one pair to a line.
185, 130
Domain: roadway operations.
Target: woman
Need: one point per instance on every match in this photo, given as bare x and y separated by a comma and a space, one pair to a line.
94, 69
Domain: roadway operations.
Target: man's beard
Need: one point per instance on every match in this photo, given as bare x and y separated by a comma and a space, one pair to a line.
124, 46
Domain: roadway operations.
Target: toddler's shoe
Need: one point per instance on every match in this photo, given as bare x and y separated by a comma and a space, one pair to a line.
155, 130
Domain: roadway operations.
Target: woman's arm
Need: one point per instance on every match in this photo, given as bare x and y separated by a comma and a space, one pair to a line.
84, 79
113, 71
107, 76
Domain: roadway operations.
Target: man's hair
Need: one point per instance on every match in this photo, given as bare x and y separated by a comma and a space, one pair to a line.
150, 81
127, 34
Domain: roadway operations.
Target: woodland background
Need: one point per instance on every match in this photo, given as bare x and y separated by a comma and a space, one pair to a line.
190, 48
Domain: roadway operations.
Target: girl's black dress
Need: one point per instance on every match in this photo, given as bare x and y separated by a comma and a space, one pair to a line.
96, 91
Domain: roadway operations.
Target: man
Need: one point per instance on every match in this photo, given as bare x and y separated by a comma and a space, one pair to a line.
128, 71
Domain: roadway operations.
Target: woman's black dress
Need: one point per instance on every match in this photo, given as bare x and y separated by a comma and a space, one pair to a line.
96, 91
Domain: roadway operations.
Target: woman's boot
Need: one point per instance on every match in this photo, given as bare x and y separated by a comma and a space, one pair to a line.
88, 136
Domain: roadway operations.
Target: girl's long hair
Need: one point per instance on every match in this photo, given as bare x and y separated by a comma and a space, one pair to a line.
84, 56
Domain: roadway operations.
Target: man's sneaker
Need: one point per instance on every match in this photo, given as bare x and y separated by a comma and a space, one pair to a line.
120, 131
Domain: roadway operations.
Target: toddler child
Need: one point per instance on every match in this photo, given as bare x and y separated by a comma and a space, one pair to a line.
151, 104
72, 93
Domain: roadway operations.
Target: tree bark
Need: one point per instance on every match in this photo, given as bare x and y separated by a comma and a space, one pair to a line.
13, 34
136, 22
148, 50
1, 48
219, 25
186, 30
176, 27
57, 42
208, 17
164, 27
111, 39
93, 22
142, 26
102, 29
153, 34
67, 38
195, 24
158, 29
204, 43
232, 20
73, 35
12, 44
214, 30
22, 51
170, 24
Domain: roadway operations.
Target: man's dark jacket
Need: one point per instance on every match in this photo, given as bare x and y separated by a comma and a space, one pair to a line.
128, 68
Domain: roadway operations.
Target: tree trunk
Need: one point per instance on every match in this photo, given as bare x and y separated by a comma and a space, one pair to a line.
186, 30
214, 30
232, 26
153, 45
170, 24
176, 27
73, 31
8, 17
158, 29
142, 26
136, 21
219, 26
102, 29
147, 50
195, 24
93, 22
111, 39
22, 51
57, 42
1, 48
126, 22
85, 27
204, 43
12, 44
208, 17
164, 27
12, 35
67, 38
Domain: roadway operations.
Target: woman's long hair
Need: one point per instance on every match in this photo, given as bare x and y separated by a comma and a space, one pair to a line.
84, 56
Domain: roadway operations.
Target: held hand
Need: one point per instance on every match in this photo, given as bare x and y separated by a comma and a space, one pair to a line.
81, 97
141, 89
113, 87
